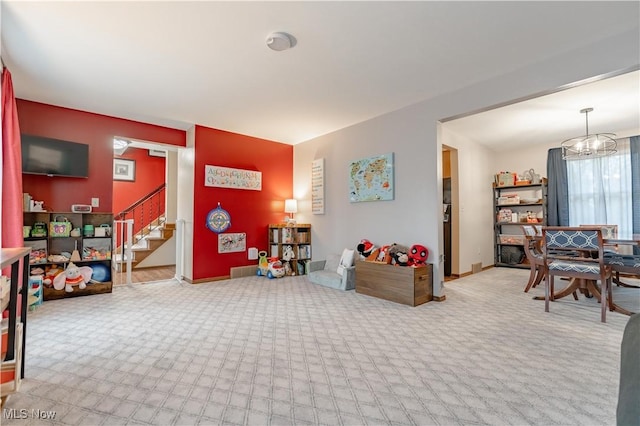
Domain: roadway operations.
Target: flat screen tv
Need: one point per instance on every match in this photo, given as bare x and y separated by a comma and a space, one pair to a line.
54, 157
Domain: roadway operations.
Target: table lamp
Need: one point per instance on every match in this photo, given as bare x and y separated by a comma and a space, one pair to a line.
291, 207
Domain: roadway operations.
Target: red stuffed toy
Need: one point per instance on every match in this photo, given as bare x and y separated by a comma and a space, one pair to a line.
365, 248
418, 255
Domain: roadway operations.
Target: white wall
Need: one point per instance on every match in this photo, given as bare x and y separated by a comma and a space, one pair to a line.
522, 159
171, 191
475, 205
412, 134
186, 167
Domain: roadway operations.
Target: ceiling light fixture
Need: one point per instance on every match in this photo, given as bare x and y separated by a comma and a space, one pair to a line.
280, 41
589, 146
120, 145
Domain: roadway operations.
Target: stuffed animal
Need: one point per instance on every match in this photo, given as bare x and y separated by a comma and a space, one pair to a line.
73, 276
50, 274
287, 255
365, 248
399, 254
418, 255
383, 255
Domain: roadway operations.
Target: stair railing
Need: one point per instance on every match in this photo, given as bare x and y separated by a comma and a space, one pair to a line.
123, 230
146, 212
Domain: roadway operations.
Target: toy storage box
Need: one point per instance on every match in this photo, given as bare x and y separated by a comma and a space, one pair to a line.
96, 249
38, 251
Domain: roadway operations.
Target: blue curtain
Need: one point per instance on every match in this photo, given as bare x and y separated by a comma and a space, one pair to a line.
557, 190
635, 186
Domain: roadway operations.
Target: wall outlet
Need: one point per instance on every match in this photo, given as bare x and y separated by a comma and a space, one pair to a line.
95, 202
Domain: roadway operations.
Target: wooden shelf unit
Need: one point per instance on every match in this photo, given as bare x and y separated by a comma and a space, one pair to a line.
506, 228
93, 250
298, 237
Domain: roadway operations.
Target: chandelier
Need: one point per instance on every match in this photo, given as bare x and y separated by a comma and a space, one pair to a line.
589, 146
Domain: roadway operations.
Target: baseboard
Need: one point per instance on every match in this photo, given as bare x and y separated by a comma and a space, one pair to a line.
138, 268
206, 280
439, 298
466, 274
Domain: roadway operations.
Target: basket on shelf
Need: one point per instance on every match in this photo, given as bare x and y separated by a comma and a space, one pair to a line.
60, 227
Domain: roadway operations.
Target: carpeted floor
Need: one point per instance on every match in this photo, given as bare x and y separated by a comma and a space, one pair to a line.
278, 352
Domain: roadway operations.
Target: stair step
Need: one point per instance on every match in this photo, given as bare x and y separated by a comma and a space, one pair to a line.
147, 241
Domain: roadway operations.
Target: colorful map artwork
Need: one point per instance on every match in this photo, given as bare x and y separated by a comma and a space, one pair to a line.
371, 179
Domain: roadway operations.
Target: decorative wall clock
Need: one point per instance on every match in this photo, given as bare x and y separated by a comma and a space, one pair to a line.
218, 220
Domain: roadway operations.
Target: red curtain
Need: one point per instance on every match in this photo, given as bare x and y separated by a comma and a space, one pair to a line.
11, 167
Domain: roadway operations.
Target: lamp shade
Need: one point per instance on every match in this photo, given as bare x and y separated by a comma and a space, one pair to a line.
291, 206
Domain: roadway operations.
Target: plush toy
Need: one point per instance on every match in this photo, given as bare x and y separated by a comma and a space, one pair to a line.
418, 255
73, 276
50, 274
383, 255
399, 254
365, 248
287, 255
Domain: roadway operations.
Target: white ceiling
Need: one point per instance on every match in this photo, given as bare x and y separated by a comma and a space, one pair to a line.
556, 117
180, 63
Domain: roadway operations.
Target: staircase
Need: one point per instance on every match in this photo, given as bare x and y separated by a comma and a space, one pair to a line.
147, 240
150, 228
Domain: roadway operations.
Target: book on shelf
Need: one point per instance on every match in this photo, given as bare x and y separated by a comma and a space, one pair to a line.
302, 267
304, 252
287, 235
274, 237
274, 250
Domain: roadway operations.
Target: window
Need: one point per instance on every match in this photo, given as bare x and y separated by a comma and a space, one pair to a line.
602, 189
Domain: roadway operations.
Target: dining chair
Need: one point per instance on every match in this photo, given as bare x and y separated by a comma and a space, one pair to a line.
560, 246
623, 263
608, 231
620, 263
533, 250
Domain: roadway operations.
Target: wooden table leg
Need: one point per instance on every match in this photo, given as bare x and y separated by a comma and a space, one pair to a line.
593, 286
574, 285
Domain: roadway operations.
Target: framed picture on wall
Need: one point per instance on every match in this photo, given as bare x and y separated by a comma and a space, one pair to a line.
124, 169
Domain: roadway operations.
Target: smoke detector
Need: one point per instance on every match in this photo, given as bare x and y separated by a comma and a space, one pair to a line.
280, 41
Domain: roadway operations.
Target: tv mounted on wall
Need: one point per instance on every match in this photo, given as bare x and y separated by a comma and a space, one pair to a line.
54, 157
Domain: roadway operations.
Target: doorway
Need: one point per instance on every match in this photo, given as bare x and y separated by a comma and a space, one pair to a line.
450, 211
149, 196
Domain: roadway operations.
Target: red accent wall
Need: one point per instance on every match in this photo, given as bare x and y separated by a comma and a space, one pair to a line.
150, 174
96, 130
251, 211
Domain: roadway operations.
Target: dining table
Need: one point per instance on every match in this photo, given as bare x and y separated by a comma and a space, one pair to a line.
590, 288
